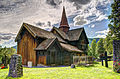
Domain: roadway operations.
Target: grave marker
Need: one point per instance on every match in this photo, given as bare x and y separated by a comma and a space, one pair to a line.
15, 66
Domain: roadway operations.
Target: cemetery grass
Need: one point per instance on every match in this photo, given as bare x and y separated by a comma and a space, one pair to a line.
94, 72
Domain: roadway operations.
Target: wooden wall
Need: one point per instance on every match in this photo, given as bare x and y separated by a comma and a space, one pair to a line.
25, 47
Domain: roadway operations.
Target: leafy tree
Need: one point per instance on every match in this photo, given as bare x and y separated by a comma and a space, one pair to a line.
89, 51
6, 53
114, 18
108, 45
93, 48
0, 54
100, 46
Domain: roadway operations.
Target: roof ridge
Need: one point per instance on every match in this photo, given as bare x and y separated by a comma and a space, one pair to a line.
35, 27
29, 28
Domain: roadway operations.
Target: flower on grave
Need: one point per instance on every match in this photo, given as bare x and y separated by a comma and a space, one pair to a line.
118, 63
114, 61
3, 67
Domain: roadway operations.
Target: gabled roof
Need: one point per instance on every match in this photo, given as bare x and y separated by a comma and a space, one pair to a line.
75, 34
61, 33
70, 48
45, 44
36, 32
72, 35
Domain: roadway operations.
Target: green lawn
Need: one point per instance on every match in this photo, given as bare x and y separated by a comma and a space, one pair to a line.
95, 72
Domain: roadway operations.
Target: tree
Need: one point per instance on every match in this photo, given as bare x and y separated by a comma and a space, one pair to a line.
100, 46
89, 51
0, 54
108, 45
6, 53
114, 18
93, 48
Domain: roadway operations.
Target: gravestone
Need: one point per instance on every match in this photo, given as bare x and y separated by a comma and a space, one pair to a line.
116, 56
72, 66
15, 66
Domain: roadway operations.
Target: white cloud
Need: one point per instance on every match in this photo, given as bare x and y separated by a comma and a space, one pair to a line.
31, 12
94, 11
102, 34
34, 11
91, 26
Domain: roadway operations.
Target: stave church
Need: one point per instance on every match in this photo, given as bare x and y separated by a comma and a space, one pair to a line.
51, 48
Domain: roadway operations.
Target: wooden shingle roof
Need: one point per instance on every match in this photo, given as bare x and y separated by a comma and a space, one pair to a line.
70, 48
45, 44
62, 34
40, 32
75, 34
36, 32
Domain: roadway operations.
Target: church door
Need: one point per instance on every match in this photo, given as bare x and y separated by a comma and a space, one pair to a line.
52, 57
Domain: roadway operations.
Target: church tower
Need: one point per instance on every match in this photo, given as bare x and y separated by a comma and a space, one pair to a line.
64, 23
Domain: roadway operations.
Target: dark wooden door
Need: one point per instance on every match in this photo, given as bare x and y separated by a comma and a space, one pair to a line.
52, 57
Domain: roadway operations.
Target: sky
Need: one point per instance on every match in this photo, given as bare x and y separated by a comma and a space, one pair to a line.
90, 14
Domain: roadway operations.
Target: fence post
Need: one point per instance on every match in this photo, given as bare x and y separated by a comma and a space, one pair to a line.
106, 61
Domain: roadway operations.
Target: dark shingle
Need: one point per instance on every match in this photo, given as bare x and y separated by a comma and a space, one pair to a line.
45, 44
70, 48
40, 32
75, 34
62, 34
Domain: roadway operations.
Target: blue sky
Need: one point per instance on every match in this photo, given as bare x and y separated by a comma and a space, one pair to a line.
90, 14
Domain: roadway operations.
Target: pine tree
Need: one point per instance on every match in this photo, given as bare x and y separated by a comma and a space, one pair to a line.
114, 18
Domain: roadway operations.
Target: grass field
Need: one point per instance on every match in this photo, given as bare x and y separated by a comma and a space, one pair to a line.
94, 72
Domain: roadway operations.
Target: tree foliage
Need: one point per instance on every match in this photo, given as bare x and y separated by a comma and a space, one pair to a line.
5, 53
93, 48
100, 46
114, 18
108, 45
89, 51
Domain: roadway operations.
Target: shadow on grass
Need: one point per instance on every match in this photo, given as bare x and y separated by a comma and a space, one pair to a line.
12, 77
96, 62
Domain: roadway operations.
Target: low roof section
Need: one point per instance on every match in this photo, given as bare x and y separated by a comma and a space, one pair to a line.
70, 48
46, 44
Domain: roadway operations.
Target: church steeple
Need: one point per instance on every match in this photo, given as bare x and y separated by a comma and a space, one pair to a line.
64, 23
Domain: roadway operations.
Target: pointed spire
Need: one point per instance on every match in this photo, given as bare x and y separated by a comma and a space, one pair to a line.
64, 23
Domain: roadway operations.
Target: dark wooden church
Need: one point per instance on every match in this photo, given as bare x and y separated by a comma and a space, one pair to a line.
55, 47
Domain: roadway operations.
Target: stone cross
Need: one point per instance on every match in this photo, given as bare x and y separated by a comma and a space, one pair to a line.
15, 66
